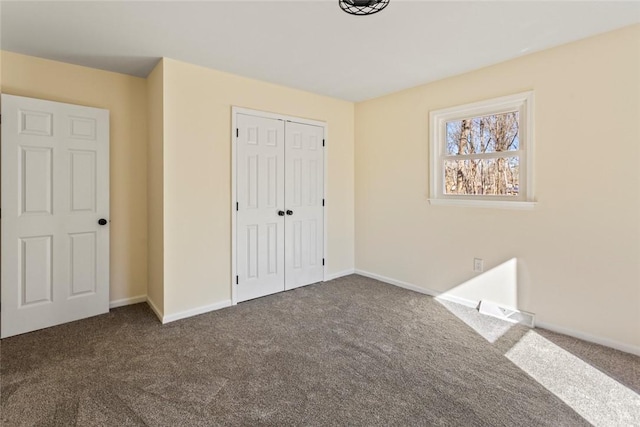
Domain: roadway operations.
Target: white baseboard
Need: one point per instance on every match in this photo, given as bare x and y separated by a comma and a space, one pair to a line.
155, 309
458, 300
195, 311
627, 348
338, 274
127, 301
398, 283
469, 303
426, 291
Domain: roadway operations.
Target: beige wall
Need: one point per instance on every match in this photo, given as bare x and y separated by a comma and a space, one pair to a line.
155, 187
197, 176
578, 251
125, 97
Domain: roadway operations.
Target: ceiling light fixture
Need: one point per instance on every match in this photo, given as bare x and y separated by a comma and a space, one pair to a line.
363, 7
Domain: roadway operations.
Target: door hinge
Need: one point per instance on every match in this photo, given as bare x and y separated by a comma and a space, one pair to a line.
323, 142
237, 280
237, 206
322, 202
322, 261
237, 132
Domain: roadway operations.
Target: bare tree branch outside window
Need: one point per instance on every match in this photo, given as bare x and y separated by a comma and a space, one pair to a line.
496, 171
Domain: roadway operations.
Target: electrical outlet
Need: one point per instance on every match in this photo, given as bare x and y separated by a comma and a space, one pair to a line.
478, 265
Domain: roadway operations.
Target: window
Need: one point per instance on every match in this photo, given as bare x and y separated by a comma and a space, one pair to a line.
481, 153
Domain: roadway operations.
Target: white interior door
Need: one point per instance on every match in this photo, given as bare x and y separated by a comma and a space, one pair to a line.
260, 206
55, 191
304, 190
280, 206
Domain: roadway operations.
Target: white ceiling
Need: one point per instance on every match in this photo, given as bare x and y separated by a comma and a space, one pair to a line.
310, 45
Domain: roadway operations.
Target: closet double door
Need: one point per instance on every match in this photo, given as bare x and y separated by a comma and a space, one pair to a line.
280, 205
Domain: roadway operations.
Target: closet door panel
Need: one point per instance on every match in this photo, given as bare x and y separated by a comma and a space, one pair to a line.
304, 226
260, 177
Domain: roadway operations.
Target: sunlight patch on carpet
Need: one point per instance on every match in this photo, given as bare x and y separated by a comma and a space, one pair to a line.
490, 328
595, 396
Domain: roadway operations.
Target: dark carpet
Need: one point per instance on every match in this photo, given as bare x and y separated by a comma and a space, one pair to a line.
352, 351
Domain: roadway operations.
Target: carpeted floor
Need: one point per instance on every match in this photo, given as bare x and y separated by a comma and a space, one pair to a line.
352, 351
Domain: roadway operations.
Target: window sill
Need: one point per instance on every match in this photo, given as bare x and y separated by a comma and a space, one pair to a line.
494, 204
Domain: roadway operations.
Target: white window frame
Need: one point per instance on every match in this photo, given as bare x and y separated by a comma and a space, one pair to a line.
521, 102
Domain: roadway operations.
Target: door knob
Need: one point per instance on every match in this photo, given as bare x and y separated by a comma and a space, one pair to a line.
281, 213
289, 212
102, 221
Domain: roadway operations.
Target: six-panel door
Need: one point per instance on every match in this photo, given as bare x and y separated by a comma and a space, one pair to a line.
260, 206
55, 188
304, 189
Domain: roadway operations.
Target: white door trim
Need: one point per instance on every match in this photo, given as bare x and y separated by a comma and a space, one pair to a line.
234, 196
